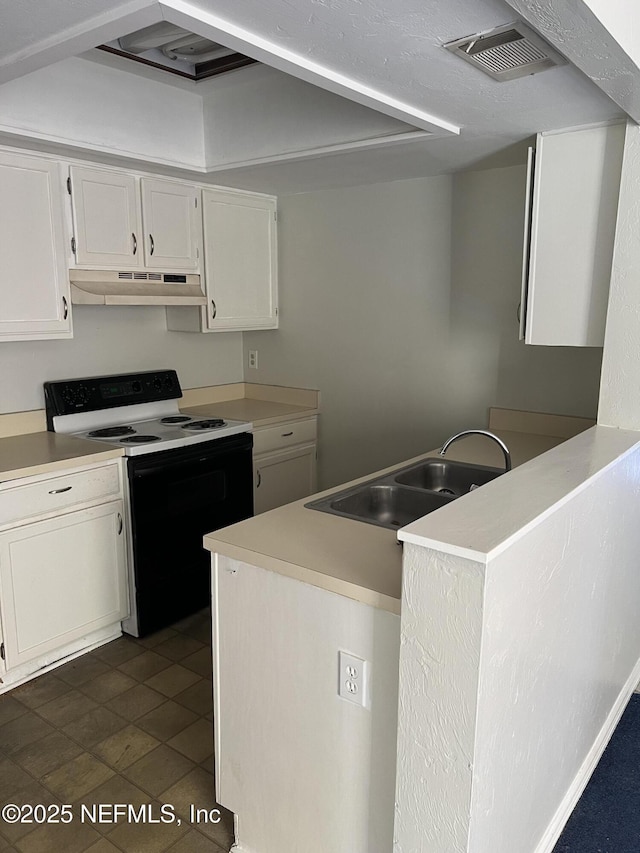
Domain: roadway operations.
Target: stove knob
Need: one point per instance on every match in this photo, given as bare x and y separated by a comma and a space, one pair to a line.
136, 387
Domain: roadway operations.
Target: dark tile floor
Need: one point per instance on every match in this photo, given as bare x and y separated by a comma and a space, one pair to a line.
130, 722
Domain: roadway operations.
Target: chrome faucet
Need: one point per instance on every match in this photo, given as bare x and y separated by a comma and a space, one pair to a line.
502, 445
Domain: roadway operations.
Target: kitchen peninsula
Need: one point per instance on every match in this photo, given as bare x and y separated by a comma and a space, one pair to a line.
331, 584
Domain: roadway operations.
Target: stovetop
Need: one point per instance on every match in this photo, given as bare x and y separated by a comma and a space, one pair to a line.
175, 430
137, 412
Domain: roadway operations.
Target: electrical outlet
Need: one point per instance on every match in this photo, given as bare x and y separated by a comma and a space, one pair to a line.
253, 358
352, 678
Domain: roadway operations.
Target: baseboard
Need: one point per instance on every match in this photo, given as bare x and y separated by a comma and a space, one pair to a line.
570, 799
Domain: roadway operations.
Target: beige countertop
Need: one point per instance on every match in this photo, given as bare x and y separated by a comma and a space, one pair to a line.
44, 452
27, 449
258, 412
351, 558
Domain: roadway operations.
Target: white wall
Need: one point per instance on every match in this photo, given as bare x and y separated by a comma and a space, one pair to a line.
303, 769
541, 629
622, 19
100, 108
115, 340
403, 314
291, 116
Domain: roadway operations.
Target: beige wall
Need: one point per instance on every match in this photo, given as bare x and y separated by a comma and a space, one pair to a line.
364, 299
115, 340
398, 302
487, 232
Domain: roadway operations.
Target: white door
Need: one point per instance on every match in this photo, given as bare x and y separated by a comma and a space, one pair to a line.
60, 579
34, 283
240, 260
106, 212
172, 225
282, 477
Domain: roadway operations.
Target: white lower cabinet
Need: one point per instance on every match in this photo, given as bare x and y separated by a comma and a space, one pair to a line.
63, 573
61, 579
283, 477
284, 464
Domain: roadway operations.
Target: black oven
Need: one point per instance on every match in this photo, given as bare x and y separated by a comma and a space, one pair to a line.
187, 475
176, 497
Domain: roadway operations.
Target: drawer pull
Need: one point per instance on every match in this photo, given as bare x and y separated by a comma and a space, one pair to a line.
120, 524
59, 491
287, 434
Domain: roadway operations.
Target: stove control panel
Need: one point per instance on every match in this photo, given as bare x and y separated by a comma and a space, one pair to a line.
90, 394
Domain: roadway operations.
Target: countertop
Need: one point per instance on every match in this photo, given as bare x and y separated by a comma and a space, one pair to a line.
258, 412
46, 452
351, 558
30, 453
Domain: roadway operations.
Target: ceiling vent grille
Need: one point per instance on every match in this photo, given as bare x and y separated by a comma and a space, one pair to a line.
507, 52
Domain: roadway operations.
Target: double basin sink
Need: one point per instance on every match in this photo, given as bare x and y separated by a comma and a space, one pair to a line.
408, 493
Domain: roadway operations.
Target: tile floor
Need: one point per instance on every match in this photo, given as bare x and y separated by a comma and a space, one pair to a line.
130, 722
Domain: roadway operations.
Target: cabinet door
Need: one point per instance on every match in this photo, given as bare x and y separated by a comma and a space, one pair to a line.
172, 225
240, 260
34, 282
280, 478
574, 211
106, 213
61, 579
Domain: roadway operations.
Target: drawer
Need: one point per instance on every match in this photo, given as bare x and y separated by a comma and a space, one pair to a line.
56, 494
284, 435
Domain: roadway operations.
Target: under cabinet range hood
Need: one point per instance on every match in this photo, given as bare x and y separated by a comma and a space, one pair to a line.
110, 287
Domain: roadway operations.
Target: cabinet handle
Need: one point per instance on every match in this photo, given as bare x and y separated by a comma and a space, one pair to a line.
214, 310
259, 480
518, 311
120, 524
151, 244
65, 308
135, 242
287, 434
59, 491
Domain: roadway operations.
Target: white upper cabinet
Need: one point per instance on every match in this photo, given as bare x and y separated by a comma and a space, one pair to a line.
34, 284
240, 260
240, 265
172, 225
572, 203
122, 221
106, 213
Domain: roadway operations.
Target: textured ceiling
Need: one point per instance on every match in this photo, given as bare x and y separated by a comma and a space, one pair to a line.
388, 49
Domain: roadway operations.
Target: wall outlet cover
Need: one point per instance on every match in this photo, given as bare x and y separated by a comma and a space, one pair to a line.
353, 678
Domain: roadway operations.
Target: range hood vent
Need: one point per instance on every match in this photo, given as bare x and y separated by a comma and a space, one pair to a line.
507, 52
109, 287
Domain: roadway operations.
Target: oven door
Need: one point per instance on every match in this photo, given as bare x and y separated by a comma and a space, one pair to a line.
176, 497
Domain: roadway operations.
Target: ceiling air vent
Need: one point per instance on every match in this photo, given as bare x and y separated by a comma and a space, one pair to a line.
507, 52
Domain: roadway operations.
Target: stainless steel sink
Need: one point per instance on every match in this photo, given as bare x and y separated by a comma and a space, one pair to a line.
407, 494
447, 477
387, 505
